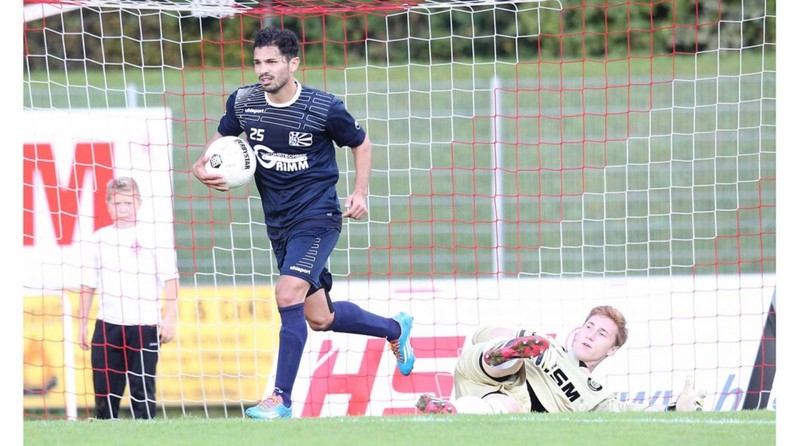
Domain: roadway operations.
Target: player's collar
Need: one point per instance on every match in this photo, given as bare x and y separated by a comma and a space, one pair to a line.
290, 101
574, 358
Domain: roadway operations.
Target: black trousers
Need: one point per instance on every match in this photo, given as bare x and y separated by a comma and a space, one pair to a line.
124, 354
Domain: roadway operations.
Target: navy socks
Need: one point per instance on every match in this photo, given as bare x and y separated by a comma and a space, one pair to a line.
293, 335
350, 318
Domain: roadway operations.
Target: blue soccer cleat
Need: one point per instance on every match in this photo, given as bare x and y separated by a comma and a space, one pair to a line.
269, 409
401, 347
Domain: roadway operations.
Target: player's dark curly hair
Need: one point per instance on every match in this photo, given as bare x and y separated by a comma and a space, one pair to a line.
286, 41
616, 316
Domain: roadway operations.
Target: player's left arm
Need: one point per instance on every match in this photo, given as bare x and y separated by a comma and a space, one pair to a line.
169, 321
167, 261
689, 400
356, 203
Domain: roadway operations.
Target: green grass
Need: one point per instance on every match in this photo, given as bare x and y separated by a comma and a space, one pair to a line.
746, 428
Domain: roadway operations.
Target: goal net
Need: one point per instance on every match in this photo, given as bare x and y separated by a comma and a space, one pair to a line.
531, 160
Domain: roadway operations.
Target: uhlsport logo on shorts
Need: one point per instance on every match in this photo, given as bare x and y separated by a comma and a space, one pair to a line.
300, 270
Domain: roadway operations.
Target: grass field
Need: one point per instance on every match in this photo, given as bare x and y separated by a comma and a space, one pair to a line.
747, 428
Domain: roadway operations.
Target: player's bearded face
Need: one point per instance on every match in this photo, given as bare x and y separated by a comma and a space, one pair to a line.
595, 340
272, 68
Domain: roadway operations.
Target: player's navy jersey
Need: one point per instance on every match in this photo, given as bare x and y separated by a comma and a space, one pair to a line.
294, 144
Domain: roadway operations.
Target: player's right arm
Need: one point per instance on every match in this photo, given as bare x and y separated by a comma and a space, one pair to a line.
356, 202
90, 281
212, 180
85, 304
228, 125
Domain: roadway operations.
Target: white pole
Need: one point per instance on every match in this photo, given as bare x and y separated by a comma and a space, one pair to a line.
70, 389
131, 95
498, 237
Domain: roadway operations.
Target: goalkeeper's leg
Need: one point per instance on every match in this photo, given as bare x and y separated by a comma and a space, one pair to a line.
517, 348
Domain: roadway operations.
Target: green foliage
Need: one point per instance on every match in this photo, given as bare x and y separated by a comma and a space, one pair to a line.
105, 38
98, 38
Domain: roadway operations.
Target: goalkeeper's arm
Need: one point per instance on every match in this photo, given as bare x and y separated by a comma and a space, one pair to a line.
689, 400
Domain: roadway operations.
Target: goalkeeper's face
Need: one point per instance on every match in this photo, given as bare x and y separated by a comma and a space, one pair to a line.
595, 340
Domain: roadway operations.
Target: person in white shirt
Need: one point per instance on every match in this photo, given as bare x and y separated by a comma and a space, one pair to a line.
507, 371
130, 268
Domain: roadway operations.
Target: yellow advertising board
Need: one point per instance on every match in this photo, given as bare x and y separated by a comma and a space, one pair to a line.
222, 354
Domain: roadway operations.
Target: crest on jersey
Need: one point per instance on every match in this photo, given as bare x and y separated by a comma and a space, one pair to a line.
300, 139
593, 385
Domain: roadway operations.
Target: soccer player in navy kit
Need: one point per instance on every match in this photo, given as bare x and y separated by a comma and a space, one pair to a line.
293, 130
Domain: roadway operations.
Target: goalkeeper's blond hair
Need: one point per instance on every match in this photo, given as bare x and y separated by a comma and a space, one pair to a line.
616, 316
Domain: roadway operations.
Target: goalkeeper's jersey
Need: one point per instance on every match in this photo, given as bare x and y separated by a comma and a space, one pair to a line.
295, 145
567, 386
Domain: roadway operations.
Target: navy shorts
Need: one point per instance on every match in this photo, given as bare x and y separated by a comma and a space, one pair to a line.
303, 251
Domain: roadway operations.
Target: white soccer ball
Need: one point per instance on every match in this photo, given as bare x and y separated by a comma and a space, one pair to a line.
233, 158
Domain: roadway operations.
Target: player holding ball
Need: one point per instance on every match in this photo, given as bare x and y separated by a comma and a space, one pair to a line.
294, 130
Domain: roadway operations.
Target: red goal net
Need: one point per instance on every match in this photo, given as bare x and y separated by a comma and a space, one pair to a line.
531, 160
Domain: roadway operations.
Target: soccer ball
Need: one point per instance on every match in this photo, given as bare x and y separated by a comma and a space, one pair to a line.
233, 158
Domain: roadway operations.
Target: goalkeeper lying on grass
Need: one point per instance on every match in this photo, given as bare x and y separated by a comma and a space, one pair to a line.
508, 371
